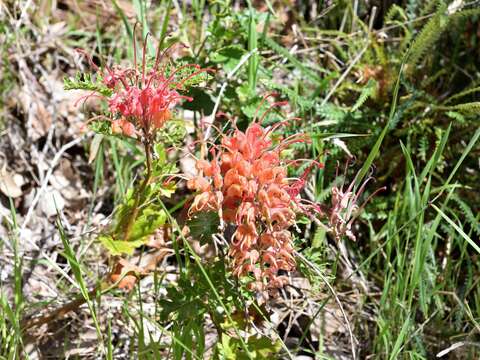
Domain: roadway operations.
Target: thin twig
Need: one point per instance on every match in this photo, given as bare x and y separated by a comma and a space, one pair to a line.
347, 323
230, 75
456, 346
40, 192
345, 73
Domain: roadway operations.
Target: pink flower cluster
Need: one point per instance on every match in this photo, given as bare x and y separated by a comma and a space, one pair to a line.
142, 99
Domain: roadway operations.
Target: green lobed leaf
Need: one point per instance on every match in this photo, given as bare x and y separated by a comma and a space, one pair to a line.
149, 220
203, 225
120, 247
261, 348
228, 57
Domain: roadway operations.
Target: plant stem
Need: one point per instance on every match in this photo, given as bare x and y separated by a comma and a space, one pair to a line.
140, 191
75, 304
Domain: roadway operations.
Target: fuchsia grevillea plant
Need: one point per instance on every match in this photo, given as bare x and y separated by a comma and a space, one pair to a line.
140, 100
245, 181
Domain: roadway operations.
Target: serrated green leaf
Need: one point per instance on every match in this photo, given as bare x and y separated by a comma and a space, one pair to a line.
161, 167
203, 225
149, 220
167, 190
367, 92
228, 57
263, 347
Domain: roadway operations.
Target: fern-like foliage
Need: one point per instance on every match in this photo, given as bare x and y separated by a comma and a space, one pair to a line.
300, 101
83, 81
461, 94
332, 112
423, 145
465, 14
367, 92
428, 6
427, 38
468, 214
393, 12
470, 108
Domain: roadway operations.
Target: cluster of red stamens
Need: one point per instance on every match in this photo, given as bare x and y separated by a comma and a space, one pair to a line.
142, 99
246, 182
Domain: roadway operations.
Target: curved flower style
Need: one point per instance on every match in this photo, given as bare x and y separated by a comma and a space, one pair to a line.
246, 182
141, 100
144, 100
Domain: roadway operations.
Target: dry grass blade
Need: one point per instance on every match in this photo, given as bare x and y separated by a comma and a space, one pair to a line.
334, 294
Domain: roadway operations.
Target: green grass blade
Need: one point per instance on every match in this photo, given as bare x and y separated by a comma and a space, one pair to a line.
166, 19
432, 163
124, 18
467, 150
77, 272
252, 47
376, 147
400, 339
457, 228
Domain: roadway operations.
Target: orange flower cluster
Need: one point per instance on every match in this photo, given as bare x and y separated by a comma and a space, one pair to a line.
246, 182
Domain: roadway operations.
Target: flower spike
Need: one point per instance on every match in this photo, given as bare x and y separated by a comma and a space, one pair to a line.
246, 181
